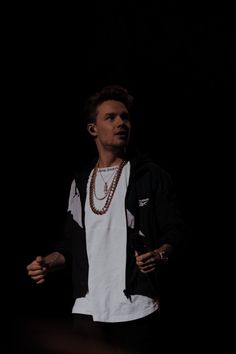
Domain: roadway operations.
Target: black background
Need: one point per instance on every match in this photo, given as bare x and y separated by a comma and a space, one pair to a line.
177, 59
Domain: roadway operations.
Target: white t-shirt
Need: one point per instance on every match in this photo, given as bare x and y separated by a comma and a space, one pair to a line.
106, 237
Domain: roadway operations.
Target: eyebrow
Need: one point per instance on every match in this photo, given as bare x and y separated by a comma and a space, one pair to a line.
110, 114
123, 114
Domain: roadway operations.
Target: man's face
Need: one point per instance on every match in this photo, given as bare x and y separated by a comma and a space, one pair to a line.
112, 126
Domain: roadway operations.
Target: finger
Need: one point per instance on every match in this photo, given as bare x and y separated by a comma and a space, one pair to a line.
148, 266
144, 257
149, 261
36, 272
34, 267
147, 256
38, 277
149, 270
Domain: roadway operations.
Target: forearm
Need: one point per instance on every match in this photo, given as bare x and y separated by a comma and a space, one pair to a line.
164, 252
53, 261
167, 248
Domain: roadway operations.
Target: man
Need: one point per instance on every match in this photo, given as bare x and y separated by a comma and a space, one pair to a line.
122, 228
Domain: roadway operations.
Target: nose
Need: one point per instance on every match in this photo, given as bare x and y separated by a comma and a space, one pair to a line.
121, 121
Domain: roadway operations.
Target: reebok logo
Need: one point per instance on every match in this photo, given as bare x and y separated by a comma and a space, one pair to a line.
143, 202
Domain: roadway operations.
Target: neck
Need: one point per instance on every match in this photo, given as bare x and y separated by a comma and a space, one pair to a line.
108, 160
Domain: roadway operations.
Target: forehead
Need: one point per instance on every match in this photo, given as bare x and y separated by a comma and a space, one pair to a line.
111, 106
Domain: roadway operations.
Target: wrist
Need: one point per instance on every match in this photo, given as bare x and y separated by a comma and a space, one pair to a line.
163, 256
52, 261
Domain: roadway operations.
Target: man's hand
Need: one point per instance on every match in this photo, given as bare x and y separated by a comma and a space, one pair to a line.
37, 270
147, 262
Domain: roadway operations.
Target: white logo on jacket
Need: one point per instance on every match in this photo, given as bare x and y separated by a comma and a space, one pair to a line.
74, 205
143, 202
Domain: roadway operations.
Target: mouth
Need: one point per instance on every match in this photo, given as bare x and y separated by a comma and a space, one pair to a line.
123, 134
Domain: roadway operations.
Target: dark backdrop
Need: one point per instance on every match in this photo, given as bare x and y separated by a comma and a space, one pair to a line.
177, 59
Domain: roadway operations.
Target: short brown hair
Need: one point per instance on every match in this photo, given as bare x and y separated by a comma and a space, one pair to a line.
112, 92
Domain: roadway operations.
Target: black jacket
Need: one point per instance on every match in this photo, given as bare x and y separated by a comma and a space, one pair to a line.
151, 211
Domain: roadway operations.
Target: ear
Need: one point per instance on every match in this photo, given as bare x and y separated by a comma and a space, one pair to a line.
91, 127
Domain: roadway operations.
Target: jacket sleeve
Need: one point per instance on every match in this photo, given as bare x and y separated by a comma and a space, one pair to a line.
73, 219
170, 221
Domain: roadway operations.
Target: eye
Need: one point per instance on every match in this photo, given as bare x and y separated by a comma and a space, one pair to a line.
111, 116
125, 116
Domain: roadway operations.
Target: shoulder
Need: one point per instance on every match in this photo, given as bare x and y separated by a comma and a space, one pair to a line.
147, 170
143, 163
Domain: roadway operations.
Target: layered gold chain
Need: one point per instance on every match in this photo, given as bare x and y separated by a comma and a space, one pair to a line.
106, 189
110, 193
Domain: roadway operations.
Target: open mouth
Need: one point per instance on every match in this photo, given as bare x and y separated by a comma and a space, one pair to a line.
123, 134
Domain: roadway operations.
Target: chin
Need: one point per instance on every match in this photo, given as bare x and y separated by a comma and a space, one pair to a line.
122, 144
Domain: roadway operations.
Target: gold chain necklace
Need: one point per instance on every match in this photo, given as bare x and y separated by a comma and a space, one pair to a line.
110, 192
106, 189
